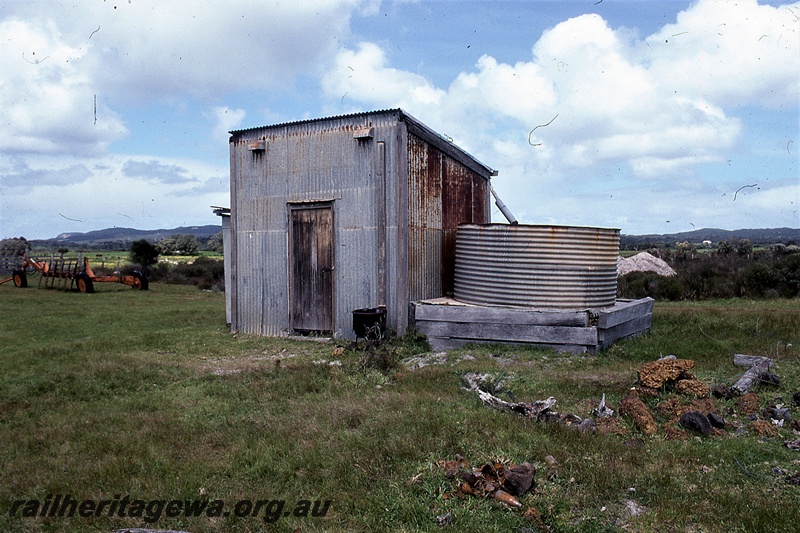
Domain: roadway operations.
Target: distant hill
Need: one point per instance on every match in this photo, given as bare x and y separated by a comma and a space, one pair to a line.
120, 238
756, 237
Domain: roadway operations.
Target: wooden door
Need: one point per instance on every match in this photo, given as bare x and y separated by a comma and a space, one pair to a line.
311, 263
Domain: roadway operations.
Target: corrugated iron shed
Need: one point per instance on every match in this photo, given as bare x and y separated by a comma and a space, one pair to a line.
336, 214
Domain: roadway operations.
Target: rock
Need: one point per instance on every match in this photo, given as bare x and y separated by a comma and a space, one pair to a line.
768, 378
519, 479
602, 409
634, 508
693, 387
587, 425
779, 413
634, 408
721, 391
696, 421
716, 420
657, 373
444, 520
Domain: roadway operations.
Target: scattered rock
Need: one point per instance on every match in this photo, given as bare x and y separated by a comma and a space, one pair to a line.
793, 480
634, 508
634, 408
722, 391
657, 373
748, 403
793, 444
778, 413
519, 478
769, 379
444, 520
693, 387
338, 351
602, 410
696, 421
716, 420
500, 481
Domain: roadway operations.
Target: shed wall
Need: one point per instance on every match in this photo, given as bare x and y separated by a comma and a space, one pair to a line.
305, 163
390, 189
443, 193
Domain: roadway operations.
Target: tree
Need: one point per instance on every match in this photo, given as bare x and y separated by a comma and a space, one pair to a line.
145, 253
215, 243
179, 245
16, 247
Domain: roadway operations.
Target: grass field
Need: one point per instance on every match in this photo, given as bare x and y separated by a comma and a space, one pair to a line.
147, 396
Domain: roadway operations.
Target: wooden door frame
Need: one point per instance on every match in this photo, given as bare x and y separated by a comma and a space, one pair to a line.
291, 207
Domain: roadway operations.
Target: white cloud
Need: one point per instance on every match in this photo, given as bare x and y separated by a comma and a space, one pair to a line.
48, 98
227, 120
363, 75
605, 98
158, 192
145, 48
731, 53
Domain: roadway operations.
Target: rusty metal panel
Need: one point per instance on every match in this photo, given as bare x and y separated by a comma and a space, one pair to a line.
443, 193
536, 266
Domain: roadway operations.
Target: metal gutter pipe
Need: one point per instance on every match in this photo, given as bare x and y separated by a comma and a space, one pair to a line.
503, 209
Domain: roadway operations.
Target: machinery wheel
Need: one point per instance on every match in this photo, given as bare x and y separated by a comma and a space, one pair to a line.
20, 279
140, 281
84, 283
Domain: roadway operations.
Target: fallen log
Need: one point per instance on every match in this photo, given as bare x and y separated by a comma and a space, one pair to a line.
757, 367
534, 410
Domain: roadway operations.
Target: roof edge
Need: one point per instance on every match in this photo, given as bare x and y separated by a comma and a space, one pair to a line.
414, 125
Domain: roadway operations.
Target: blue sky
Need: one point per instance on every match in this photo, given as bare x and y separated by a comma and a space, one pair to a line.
661, 116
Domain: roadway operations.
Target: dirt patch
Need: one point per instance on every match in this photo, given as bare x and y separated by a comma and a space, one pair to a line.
748, 404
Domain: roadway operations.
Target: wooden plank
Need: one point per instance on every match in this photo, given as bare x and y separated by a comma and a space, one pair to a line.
585, 336
740, 359
442, 344
623, 312
499, 315
636, 326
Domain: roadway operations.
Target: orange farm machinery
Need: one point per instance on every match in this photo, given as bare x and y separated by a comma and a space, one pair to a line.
63, 273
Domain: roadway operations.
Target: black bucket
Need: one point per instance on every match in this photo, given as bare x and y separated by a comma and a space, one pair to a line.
369, 323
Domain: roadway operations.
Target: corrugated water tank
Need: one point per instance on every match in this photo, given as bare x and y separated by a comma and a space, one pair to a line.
536, 266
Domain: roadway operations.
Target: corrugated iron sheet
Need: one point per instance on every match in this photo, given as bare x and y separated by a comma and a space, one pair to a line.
430, 187
443, 193
536, 266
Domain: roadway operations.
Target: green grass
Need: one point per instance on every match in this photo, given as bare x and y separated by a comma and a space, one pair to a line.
147, 394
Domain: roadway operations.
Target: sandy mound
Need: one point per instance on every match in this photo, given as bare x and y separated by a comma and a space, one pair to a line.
643, 262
